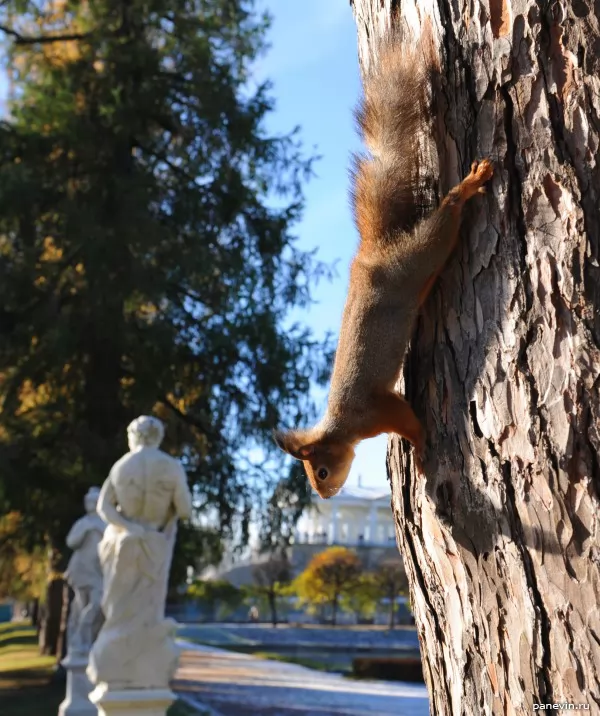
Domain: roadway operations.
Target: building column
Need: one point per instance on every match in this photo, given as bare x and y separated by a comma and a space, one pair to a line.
334, 525
352, 534
323, 534
312, 528
373, 524
357, 528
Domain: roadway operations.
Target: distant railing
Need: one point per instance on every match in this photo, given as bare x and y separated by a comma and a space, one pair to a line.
324, 539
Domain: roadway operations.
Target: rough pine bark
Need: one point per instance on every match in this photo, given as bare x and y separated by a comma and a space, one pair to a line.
500, 538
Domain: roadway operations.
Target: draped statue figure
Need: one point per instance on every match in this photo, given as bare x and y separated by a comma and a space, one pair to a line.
144, 495
84, 575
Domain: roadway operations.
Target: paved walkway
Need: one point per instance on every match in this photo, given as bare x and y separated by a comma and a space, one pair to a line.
318, 636
233, 684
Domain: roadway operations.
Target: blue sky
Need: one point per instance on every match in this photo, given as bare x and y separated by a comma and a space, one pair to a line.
314, 67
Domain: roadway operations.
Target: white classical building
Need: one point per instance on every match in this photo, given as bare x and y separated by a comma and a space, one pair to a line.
356, 516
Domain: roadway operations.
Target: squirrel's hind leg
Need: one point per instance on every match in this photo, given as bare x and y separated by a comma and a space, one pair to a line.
393, 414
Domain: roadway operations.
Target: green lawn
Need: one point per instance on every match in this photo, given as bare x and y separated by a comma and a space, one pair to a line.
26, 678
181, 709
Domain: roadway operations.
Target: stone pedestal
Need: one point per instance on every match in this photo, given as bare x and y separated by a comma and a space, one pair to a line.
132, 702
76, 701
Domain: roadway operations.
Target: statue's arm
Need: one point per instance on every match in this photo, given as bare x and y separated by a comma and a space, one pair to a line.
107, 509
77, 534
183, 497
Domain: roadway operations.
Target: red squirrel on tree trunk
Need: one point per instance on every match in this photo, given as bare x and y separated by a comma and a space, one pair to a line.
401, 253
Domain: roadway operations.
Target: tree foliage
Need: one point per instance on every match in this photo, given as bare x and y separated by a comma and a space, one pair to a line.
271, 581
147, 260
290, 497
216, 595
391, 582
330, 576
362, 599
197, 547
22, 571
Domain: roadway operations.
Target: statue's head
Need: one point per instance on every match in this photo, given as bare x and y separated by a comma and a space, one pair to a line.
145, 431
91, 499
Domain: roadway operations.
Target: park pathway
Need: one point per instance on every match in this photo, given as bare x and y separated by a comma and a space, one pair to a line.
233, 684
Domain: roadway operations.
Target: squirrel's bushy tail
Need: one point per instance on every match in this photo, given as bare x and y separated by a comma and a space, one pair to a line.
387, 193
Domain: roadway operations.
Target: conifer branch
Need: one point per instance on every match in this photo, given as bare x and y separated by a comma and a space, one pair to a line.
43, 39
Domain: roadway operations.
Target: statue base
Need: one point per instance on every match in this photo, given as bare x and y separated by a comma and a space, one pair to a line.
134, 657
131, 702
76, 701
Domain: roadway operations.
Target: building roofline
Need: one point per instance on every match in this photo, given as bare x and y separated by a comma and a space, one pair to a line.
352, 493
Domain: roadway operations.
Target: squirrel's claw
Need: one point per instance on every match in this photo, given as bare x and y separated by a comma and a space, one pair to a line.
482, 170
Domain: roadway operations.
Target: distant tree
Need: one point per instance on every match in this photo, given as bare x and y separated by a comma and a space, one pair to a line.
22, 571
271, 581
391, 581
217, 595
363, 597
147, 256
329, 577
290, 498
197, 547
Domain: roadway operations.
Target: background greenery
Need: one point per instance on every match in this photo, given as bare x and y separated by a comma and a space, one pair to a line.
147, 264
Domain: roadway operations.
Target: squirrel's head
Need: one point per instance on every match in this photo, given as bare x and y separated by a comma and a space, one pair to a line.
327, 464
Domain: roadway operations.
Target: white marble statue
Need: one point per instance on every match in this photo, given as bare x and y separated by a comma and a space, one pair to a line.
144, 495
84, 575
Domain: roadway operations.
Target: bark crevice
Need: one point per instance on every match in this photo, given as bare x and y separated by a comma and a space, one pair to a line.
515, 191
546, 690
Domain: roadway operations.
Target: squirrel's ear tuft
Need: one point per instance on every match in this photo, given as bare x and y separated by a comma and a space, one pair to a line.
280, 439
293, 442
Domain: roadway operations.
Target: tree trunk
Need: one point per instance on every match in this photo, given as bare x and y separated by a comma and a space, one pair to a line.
35, 614
62, 641
500, 538
273, 607
52, 616
334, 609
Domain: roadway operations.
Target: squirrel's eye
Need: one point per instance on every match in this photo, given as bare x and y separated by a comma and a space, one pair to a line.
322, 474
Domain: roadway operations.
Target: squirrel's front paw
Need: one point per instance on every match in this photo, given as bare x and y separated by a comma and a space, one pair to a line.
473, 184
481, 172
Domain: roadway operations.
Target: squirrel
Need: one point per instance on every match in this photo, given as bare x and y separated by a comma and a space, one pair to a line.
403, 247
